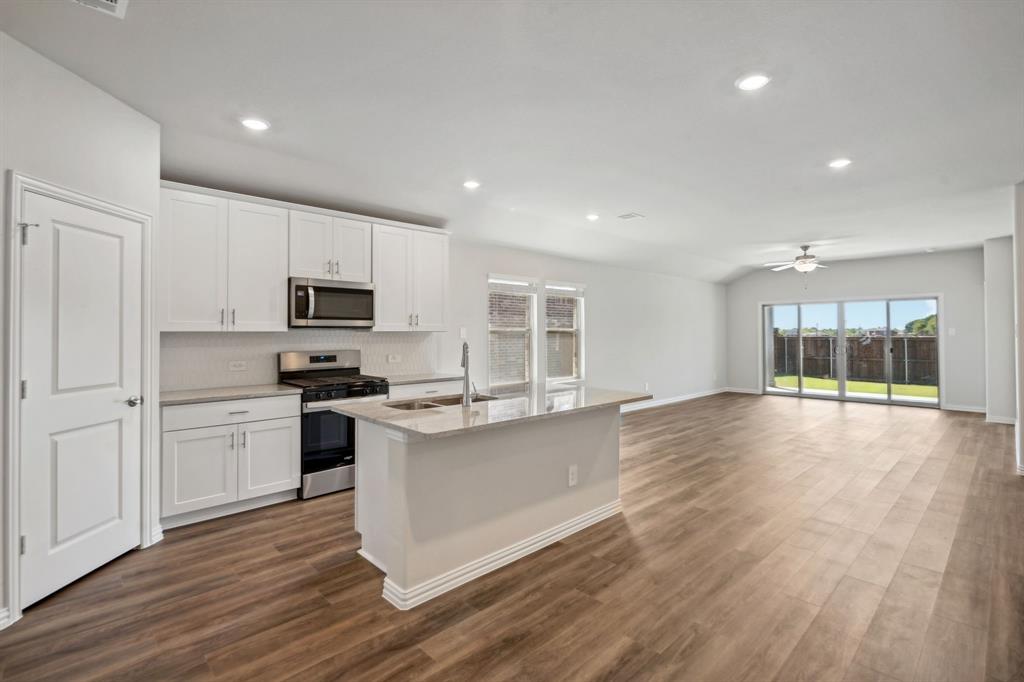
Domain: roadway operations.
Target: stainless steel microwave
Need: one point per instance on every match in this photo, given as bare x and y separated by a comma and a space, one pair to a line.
329, 303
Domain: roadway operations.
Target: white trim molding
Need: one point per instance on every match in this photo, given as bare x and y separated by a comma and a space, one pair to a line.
200, 515
963, 408
736, 389
414, 596
658, 402
993, 419
5, 618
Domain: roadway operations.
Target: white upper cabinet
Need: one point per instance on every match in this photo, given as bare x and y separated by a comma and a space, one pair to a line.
257, 267
429, 281
311, 245
352, 239
410, 273
223, 264
392, 278
323, 247
193, 244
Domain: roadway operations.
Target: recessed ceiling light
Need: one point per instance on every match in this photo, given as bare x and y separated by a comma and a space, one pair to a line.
839, 163
592, 217
471, 184
753, 81
255, 124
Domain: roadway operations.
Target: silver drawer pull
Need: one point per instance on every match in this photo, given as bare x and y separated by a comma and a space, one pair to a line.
240, 412
433, 392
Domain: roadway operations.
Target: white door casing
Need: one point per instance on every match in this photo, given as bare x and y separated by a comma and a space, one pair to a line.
81, 354
257, 267
311, 245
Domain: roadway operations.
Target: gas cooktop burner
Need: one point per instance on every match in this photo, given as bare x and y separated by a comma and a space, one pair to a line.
332, 381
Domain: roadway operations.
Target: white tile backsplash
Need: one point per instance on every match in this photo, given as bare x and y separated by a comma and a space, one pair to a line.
201, 360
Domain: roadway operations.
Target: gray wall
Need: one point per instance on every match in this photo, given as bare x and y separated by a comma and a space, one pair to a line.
956, 275
59, 128
639, 327
1000, 364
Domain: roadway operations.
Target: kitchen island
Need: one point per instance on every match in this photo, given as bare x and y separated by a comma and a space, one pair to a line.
446, 493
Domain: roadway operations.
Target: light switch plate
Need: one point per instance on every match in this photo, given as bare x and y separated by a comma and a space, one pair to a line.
238, 366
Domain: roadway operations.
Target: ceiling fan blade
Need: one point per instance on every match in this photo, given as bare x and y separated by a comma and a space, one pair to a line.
819, 265
781, 262
783, 267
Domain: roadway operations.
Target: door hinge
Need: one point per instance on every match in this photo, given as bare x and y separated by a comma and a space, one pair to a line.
21, 545
24, 388
24, 231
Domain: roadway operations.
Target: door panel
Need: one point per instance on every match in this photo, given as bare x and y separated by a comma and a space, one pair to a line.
257, 267
193, 245
819, 348
392, 278
310, 245
914, 357
352, 240
430, 282
866, 343
199, 468
81, 357
782, 343
269, 457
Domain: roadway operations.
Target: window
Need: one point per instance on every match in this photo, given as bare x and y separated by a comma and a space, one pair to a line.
563, 329
510, 316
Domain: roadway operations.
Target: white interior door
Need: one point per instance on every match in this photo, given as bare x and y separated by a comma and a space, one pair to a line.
81, 341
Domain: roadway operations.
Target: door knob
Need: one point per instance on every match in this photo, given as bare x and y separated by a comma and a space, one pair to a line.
133, 401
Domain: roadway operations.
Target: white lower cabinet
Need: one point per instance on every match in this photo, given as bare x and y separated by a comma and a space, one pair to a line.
265, 460
206, 464
199, 469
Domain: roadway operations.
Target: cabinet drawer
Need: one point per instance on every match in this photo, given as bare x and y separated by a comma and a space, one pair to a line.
430, 388
198, 415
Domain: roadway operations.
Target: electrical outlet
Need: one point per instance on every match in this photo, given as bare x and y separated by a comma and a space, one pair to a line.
394, 357
952, 331
574, 475
238, 366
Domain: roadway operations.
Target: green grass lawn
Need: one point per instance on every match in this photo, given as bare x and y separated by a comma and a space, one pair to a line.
909, 390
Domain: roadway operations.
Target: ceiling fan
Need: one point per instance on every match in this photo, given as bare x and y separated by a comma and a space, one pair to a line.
806, 262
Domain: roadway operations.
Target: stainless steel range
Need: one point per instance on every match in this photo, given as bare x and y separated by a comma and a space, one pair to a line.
328, 438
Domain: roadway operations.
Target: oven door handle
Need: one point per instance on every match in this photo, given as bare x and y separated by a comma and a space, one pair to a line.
312, 301
308, 407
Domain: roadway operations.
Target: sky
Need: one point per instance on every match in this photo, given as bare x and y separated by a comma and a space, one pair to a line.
863, 314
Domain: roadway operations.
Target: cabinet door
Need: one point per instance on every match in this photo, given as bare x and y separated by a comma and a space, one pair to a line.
257, 267
199, 469
392, 277
193, 245
268, 457
352, 250
430, 282
310, 245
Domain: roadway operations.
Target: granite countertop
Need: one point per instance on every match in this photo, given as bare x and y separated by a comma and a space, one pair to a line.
212, 395
403, 379
439, 422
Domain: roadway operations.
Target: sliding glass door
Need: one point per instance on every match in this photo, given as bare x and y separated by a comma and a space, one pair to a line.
877, 351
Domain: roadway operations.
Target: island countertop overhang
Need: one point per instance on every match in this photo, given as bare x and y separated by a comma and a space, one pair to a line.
454, 420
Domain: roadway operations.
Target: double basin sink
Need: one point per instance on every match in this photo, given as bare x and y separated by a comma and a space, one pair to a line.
440, 401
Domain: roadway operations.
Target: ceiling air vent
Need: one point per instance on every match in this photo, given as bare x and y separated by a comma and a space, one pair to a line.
115, 8
631, 216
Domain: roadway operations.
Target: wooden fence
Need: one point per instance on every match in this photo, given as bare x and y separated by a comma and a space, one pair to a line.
915, 359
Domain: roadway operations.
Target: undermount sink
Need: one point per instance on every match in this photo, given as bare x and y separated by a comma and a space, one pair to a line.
444, 401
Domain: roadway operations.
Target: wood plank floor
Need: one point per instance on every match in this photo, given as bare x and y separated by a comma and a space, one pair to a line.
762, 538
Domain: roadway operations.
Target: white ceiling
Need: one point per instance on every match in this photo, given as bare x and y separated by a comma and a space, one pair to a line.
566, 108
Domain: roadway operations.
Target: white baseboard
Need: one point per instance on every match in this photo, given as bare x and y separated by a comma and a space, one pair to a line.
5, 618
752, 391
156, 535
1000, 420
658, 402
201, 515
414, 596
372, 559
962, 408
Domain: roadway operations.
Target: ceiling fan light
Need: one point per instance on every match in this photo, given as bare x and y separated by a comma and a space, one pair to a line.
805, 266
